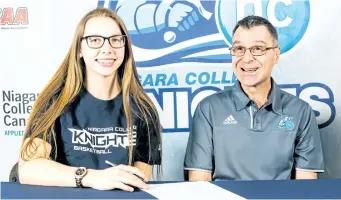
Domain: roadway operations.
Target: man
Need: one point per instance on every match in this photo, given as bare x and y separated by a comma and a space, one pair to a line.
253, 130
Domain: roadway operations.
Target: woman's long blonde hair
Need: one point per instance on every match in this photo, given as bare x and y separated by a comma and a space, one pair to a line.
67, 83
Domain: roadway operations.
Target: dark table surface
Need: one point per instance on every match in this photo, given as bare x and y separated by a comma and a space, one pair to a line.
298, 189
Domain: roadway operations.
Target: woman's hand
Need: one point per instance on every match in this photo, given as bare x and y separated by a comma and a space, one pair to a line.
119, 177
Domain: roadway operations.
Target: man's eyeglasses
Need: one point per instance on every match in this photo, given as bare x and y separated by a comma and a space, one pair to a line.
97, 41
255, 50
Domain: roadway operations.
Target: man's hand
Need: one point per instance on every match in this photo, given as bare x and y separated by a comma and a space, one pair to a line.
301, 174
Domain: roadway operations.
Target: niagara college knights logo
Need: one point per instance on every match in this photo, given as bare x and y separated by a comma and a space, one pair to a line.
286, 123
167, 31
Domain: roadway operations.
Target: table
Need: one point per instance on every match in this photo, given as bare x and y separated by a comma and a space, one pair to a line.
298, 189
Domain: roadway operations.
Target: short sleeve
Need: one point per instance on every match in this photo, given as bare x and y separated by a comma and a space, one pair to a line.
308, 149
199, 152
145, 151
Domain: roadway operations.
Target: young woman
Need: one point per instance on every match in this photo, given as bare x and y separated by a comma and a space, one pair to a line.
92, 114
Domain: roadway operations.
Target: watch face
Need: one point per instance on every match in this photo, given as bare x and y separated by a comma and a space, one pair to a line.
80, 171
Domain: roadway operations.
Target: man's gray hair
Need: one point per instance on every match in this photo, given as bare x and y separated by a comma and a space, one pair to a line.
252, 21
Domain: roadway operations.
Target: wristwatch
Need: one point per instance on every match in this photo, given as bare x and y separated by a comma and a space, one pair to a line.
79, 175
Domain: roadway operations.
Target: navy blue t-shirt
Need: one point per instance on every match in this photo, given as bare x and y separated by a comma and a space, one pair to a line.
91, 131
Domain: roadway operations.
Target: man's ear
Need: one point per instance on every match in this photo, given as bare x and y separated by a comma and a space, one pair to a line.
277, 54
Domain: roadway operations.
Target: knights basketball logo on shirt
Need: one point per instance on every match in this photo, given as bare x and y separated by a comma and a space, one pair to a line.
98, 140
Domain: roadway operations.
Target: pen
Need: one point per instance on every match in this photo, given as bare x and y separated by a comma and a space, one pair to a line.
113, 165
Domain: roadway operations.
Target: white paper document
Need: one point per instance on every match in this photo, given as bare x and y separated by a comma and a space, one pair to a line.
190, 190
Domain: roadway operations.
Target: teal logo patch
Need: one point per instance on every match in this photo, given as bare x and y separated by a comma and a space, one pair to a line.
286, 123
